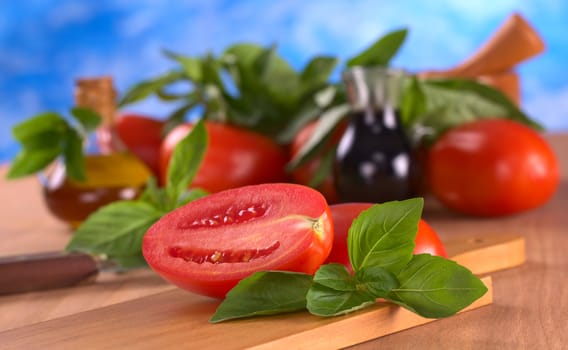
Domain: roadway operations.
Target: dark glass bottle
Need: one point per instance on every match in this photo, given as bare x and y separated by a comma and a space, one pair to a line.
374, 160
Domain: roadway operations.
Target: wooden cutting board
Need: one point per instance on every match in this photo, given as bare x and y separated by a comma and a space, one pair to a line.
178, 319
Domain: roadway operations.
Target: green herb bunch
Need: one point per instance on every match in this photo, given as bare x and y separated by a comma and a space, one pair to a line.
253, 87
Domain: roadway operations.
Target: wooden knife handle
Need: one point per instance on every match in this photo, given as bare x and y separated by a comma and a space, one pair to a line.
26, 273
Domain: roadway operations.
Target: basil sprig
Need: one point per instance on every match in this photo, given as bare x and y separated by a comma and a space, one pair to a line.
116, 230
47, 136
380, 244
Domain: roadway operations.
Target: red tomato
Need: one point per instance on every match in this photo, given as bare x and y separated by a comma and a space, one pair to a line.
427, 241
210, 244
142, 136
235, 157
492, 167
304, 174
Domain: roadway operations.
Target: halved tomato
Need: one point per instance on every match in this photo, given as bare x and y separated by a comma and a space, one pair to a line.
427, 241
210, 244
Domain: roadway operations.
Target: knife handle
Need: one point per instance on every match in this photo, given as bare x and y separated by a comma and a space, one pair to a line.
26, 273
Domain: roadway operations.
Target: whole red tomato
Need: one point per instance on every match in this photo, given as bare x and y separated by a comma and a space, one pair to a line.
142, 136
305, 173
427, 241
234, 157
210, 244
492, 167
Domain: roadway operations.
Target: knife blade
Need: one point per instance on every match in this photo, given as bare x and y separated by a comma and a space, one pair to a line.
49, 270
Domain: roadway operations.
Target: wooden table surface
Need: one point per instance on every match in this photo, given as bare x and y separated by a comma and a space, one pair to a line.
530, 302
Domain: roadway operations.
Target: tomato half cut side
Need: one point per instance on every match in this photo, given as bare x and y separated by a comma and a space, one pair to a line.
427, 240
209, 245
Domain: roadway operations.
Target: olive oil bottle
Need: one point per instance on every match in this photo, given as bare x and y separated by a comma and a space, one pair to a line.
375, 160
111, 173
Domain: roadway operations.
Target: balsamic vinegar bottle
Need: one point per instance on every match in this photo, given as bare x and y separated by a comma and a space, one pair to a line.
374, 160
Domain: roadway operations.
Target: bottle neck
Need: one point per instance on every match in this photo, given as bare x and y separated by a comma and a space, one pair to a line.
374, 88
99, 95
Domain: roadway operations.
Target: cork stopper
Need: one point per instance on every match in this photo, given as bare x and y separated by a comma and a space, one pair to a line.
98, 94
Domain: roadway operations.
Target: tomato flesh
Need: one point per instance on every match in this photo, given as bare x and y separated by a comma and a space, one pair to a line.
234, 157
427, 241
210, 244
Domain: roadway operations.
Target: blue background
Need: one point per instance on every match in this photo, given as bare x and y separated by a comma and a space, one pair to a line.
46, 44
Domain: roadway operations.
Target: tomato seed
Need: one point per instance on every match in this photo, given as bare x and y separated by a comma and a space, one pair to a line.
229, 217
201, 256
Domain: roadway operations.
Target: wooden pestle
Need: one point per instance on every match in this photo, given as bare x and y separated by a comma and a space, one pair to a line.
515, 41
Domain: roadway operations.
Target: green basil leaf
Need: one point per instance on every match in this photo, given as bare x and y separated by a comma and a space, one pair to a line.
324, 169
448, 106
327, 122
177, 117
48, 122
376, 280
48, 139
435, 287
383, 235
29, 162
335, 276
381, 52
326, 301
318, 70
73, 155
87, 118
488, 93
185, 160
155, 195
191, 65
413, 102
146, 88
115, 230
265, 293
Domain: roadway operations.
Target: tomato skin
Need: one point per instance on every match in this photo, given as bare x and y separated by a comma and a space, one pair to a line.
210, 244
427, 240
492, 167
234, 157
142, 136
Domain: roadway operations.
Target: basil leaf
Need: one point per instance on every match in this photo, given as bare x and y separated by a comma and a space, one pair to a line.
413, 102
115, 230
382, 51
327, 122
318, 70
146, 88
87, 118
73, 156
38, 125
383, 235
335, 276
324, 169
265, 293
191, 66
376, 280
488, 93
435, 287
326, 301
185, 160
29, 162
